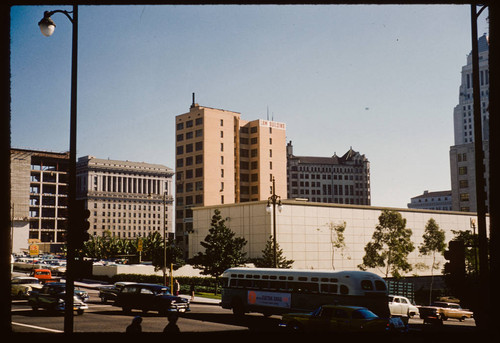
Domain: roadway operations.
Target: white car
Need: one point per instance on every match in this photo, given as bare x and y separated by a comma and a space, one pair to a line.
401, 306
21, 286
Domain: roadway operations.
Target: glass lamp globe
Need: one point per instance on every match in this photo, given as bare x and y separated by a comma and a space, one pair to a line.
47, 26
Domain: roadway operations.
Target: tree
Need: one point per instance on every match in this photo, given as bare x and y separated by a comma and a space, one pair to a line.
267, 259
222, 249
154, 251
433, 243
390, 245
337, 239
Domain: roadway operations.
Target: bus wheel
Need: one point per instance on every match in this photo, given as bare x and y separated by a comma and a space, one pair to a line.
237, 306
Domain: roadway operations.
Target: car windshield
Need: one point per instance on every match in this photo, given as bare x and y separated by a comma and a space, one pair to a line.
363, 314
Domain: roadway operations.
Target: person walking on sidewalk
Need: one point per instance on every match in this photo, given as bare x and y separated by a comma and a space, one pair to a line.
177, 287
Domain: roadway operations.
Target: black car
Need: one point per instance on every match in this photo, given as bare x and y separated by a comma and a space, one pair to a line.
150, 297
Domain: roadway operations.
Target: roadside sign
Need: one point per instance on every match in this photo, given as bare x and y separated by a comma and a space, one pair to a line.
139, 244
34, 250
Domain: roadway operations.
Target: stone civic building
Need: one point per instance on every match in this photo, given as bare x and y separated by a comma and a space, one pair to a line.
127, 199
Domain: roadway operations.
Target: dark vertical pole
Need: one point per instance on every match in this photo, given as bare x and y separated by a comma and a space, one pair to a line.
274, 225
70, 274
479, 165
494, 196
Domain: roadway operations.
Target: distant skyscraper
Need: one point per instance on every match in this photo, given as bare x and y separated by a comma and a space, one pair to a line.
339, 180
462, 155
222, 159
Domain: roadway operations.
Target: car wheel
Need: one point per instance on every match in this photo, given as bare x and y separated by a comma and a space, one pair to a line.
104, 300
295, 326
79, 312
126, 310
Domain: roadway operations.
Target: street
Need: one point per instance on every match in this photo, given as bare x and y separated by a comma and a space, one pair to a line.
203, 318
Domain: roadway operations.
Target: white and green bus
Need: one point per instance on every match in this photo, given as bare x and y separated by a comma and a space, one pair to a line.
275, 291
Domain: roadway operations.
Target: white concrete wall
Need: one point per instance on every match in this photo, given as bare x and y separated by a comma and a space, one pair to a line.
304, 236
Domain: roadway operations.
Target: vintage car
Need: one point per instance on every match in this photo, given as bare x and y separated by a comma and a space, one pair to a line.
440, 310
21, 286
401, 306
52, 297
110, 292
341, 318
150, 297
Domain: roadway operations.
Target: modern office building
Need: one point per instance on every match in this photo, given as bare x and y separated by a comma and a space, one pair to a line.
39, 199
440, 200
462, 154
223, 159
340, 180
127, 199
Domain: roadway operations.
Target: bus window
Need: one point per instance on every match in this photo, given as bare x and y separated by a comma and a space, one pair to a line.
282, 277
326, 288
334, 280
290, 278
256, 276
366, 285
380, 285
265, 277
248, 276
344, 290
302, 278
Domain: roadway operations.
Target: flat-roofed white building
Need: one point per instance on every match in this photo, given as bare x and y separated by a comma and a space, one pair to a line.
304, 234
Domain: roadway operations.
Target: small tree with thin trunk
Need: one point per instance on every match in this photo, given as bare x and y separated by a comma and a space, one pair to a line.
433, 243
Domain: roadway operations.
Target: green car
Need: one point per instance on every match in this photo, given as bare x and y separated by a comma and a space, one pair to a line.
340, 318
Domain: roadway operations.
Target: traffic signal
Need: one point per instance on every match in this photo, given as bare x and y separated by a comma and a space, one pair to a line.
82, 225
455, 268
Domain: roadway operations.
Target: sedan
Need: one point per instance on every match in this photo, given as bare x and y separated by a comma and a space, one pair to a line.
340, 318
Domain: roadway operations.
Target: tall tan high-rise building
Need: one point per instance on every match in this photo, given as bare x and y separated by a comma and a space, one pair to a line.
222, 159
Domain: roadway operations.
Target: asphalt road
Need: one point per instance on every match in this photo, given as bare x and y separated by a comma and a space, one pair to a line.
202, 319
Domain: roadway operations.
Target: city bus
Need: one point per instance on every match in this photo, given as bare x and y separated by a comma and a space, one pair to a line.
276, 291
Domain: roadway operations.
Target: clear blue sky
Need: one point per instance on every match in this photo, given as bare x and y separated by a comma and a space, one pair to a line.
382, 79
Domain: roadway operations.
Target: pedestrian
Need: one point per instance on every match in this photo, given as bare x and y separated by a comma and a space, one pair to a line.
192, 291
135, 326
172, 324
177, 287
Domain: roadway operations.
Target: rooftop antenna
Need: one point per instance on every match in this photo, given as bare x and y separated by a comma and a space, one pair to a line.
267, 112
194, 102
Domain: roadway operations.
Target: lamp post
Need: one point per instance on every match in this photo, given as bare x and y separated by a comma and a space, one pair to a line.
165, 241
479, 165
274, 200
47, 27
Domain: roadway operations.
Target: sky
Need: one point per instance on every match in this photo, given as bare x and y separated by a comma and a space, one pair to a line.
382, 79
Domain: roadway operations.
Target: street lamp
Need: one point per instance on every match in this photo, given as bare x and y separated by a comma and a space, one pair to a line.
47, 27
479, 165
274, 200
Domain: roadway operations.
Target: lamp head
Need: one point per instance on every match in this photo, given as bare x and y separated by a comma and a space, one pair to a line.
47, 25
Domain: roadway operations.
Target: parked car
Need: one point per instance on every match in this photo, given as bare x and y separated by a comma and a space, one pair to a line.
109, 293
340, 318
150, 297
82, 294
51, 297
440, 310
21, 286
401, 306
44, 275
